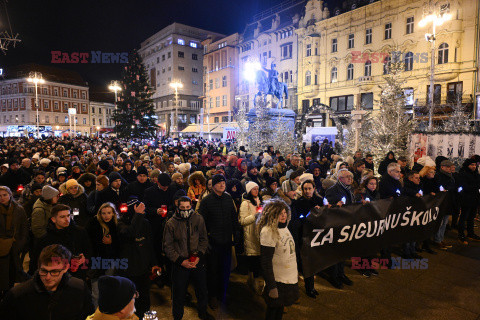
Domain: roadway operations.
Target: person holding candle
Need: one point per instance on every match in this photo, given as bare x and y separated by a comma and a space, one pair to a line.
250, 209
185, 243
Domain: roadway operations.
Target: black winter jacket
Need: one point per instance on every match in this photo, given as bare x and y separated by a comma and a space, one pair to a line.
389, 187
30, 300
220, 217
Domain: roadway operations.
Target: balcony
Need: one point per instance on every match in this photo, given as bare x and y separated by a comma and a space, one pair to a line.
365, 83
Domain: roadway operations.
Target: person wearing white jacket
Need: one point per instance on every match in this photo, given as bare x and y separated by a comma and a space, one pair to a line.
249, 211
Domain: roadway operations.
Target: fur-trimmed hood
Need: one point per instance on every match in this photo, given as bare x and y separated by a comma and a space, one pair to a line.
196, 175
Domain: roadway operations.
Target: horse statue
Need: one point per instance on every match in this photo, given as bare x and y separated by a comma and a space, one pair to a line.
267, 83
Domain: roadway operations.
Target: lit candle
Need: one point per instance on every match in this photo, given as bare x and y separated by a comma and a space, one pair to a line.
460, 189
344, 200
325, 202
367, 199
420, 192
441, 188
398, 191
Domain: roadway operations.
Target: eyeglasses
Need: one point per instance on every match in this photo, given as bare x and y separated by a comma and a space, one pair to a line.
53, 273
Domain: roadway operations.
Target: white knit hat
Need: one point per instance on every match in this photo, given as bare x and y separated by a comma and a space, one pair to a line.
250, 185
306, 176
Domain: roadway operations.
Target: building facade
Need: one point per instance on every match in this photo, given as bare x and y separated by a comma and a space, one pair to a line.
343, 58
101, 117
220, 76
55, 97
175, 54
269, 38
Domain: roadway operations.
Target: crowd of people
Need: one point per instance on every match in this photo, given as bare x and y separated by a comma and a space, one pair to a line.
98, 221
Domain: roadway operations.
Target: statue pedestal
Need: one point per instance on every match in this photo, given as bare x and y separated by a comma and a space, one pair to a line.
273, 116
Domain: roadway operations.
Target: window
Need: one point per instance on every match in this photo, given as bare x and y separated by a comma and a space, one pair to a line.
368, 69
84, 95
443, 53
409, 61
351, 41
84, 121
410, 25
224, 100
194, 56
334, 45
45, 104
194, 70
291, 76
181, 54
210, 84
350, 72
388, 31
55, 92
65, 93
368, 36
169, 55
437, 94
181, 68
225, 119
285, 77
454, 92
308, 78
309, 50
93, 109
286, 51
409, 97
341, 103
367, 100
66, 119
216, 120
55, 106
217, 102
163, 57
333, 75
210, 103
217, 83
181, 42
99, 121
193, 45
45, 91
224, 81
386, 65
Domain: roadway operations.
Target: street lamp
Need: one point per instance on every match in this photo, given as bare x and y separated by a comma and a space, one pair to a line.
115, 87
36, 78
98, 132
176, 86
436, 20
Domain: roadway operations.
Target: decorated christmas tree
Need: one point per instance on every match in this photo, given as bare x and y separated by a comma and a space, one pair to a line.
390, 127
458, 121
134, 116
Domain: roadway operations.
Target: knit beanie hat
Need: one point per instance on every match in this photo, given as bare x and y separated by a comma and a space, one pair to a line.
71, 183
104, 165
250, 185
45, 161
217, 179
115, 293
49, 192
142, 170
269, 181
114, 176
164, 179
36, 186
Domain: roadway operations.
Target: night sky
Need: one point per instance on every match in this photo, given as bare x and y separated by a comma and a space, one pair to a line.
113, 26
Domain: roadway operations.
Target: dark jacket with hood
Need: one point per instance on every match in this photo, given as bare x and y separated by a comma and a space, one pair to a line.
469, 181
129, 176
90, 177
411, 189
382, 168
30, 300
77, 201
185, 236
388, 187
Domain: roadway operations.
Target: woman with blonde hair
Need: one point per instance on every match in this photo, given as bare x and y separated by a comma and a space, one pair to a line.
427, 176
277, 258
102, 231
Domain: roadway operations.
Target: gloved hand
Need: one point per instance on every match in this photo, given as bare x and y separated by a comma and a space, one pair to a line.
273, 293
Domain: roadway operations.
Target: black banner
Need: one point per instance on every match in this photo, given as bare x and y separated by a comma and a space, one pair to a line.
337, 234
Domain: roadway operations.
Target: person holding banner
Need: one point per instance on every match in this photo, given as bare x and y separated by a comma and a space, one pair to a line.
278, 259
340, 194
469, 196
300, 209
412, 188
446, 181
390, 187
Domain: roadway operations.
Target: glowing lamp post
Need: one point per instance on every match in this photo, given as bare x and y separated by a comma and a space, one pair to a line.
36, 78
176, 86
115, 87
436, 20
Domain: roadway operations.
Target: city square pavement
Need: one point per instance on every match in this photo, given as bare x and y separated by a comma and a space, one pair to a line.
448, 289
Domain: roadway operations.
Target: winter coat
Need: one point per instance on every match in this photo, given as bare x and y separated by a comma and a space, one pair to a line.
445, 180
367, 193
109, 195
335, 193
220, 218
382, 168
95, 234
469, 181
185, 237
411, 189
18, 230
429, 185
129, 176
300, 209
77, 201
73, 238
136, 245
388, 187
40, 217
138, 189
13, 179
247, 218
84, 177
30, 300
